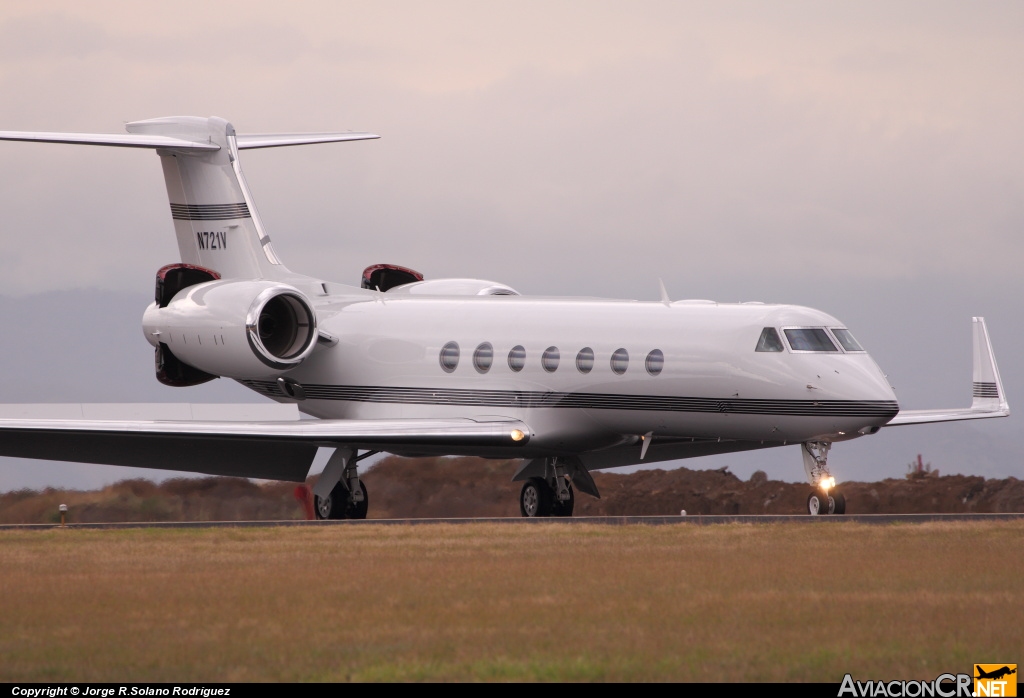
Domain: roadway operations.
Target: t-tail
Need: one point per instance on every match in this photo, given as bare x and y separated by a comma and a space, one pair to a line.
215, 220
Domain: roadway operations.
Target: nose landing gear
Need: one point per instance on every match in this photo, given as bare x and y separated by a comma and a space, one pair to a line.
823, 499
820, 503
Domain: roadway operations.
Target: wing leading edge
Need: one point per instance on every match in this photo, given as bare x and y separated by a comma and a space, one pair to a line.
989, 399
268, 450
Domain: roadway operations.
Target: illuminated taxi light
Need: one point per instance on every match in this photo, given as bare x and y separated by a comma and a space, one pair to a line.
828, 483
517, 435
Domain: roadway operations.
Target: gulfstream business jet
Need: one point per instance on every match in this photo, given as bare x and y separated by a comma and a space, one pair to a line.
415, 366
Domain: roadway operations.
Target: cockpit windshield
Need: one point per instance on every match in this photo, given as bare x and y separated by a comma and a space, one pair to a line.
845, 338
809, 339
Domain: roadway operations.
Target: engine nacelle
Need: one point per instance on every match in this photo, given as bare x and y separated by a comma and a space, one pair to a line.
236, 329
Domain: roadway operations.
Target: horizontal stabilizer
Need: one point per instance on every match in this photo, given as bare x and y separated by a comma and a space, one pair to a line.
127, 140
275, 450
276, 140
989, 399
143, 140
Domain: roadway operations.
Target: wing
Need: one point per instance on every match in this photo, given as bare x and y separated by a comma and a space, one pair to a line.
988, 401
274, 450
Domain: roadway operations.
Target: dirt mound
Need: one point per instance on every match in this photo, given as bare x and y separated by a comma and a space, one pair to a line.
430, 487
184, 499
472, 487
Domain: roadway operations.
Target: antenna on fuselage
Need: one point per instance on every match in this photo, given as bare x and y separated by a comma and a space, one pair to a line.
664, 294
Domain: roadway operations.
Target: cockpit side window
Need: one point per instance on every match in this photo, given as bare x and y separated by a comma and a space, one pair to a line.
845, 338
809, 339
769, 340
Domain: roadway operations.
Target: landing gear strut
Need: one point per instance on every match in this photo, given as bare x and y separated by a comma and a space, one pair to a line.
823, 499
346, 497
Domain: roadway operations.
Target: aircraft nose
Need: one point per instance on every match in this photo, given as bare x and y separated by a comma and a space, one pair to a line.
860, 378
877, 391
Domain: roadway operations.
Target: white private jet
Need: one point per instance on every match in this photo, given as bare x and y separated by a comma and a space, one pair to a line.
459, 366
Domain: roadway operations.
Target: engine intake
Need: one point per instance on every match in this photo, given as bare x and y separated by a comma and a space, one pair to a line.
237, 329
281, 327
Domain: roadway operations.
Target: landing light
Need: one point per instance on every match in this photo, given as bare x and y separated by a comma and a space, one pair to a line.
517, 435
827, 483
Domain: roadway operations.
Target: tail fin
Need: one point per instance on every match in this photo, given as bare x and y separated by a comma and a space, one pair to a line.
215, 220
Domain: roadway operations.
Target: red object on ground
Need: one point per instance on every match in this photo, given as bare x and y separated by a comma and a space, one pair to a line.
305, 497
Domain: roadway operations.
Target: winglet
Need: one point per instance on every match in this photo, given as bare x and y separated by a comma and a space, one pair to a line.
989, 399
988, 387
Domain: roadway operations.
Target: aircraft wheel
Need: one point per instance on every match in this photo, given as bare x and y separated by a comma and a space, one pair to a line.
327, 507
322, 507
817, 504
356, 510
564, 508
837, 503
336, 505
535, 499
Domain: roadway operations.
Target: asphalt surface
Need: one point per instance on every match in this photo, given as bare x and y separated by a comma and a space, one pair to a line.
599, 520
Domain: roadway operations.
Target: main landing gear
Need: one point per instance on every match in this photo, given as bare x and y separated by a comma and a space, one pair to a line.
823, 499
340, 494
548, 490
538, 498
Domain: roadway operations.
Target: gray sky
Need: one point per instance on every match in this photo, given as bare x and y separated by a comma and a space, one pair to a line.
863, 158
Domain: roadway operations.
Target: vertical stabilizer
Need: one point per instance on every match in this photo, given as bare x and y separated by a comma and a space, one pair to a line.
215, 220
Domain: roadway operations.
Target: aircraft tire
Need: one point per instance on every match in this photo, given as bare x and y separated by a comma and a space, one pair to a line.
336, 505
535, 499
329, 507
563, 508
817, 504
322, 507
839, 503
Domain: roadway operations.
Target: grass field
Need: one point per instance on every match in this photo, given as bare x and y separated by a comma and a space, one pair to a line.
737, 602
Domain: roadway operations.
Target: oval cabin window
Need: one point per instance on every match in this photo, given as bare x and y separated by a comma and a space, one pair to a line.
550, 359
585, 360
517, 358
620, 361
449, 357
483, 357
655, 362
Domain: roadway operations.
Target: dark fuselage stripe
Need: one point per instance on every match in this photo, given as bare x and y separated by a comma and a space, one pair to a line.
591, 401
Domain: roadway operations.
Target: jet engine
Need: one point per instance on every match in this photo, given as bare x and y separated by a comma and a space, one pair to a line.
236, 329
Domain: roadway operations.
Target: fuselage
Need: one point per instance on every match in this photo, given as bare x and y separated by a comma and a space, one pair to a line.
589, 374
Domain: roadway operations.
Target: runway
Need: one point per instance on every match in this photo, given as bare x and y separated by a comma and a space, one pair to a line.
592, 520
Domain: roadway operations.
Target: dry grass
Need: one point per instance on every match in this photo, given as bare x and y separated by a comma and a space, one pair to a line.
497, 602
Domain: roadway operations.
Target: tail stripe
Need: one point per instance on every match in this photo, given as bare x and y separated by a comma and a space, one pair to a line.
209, 212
